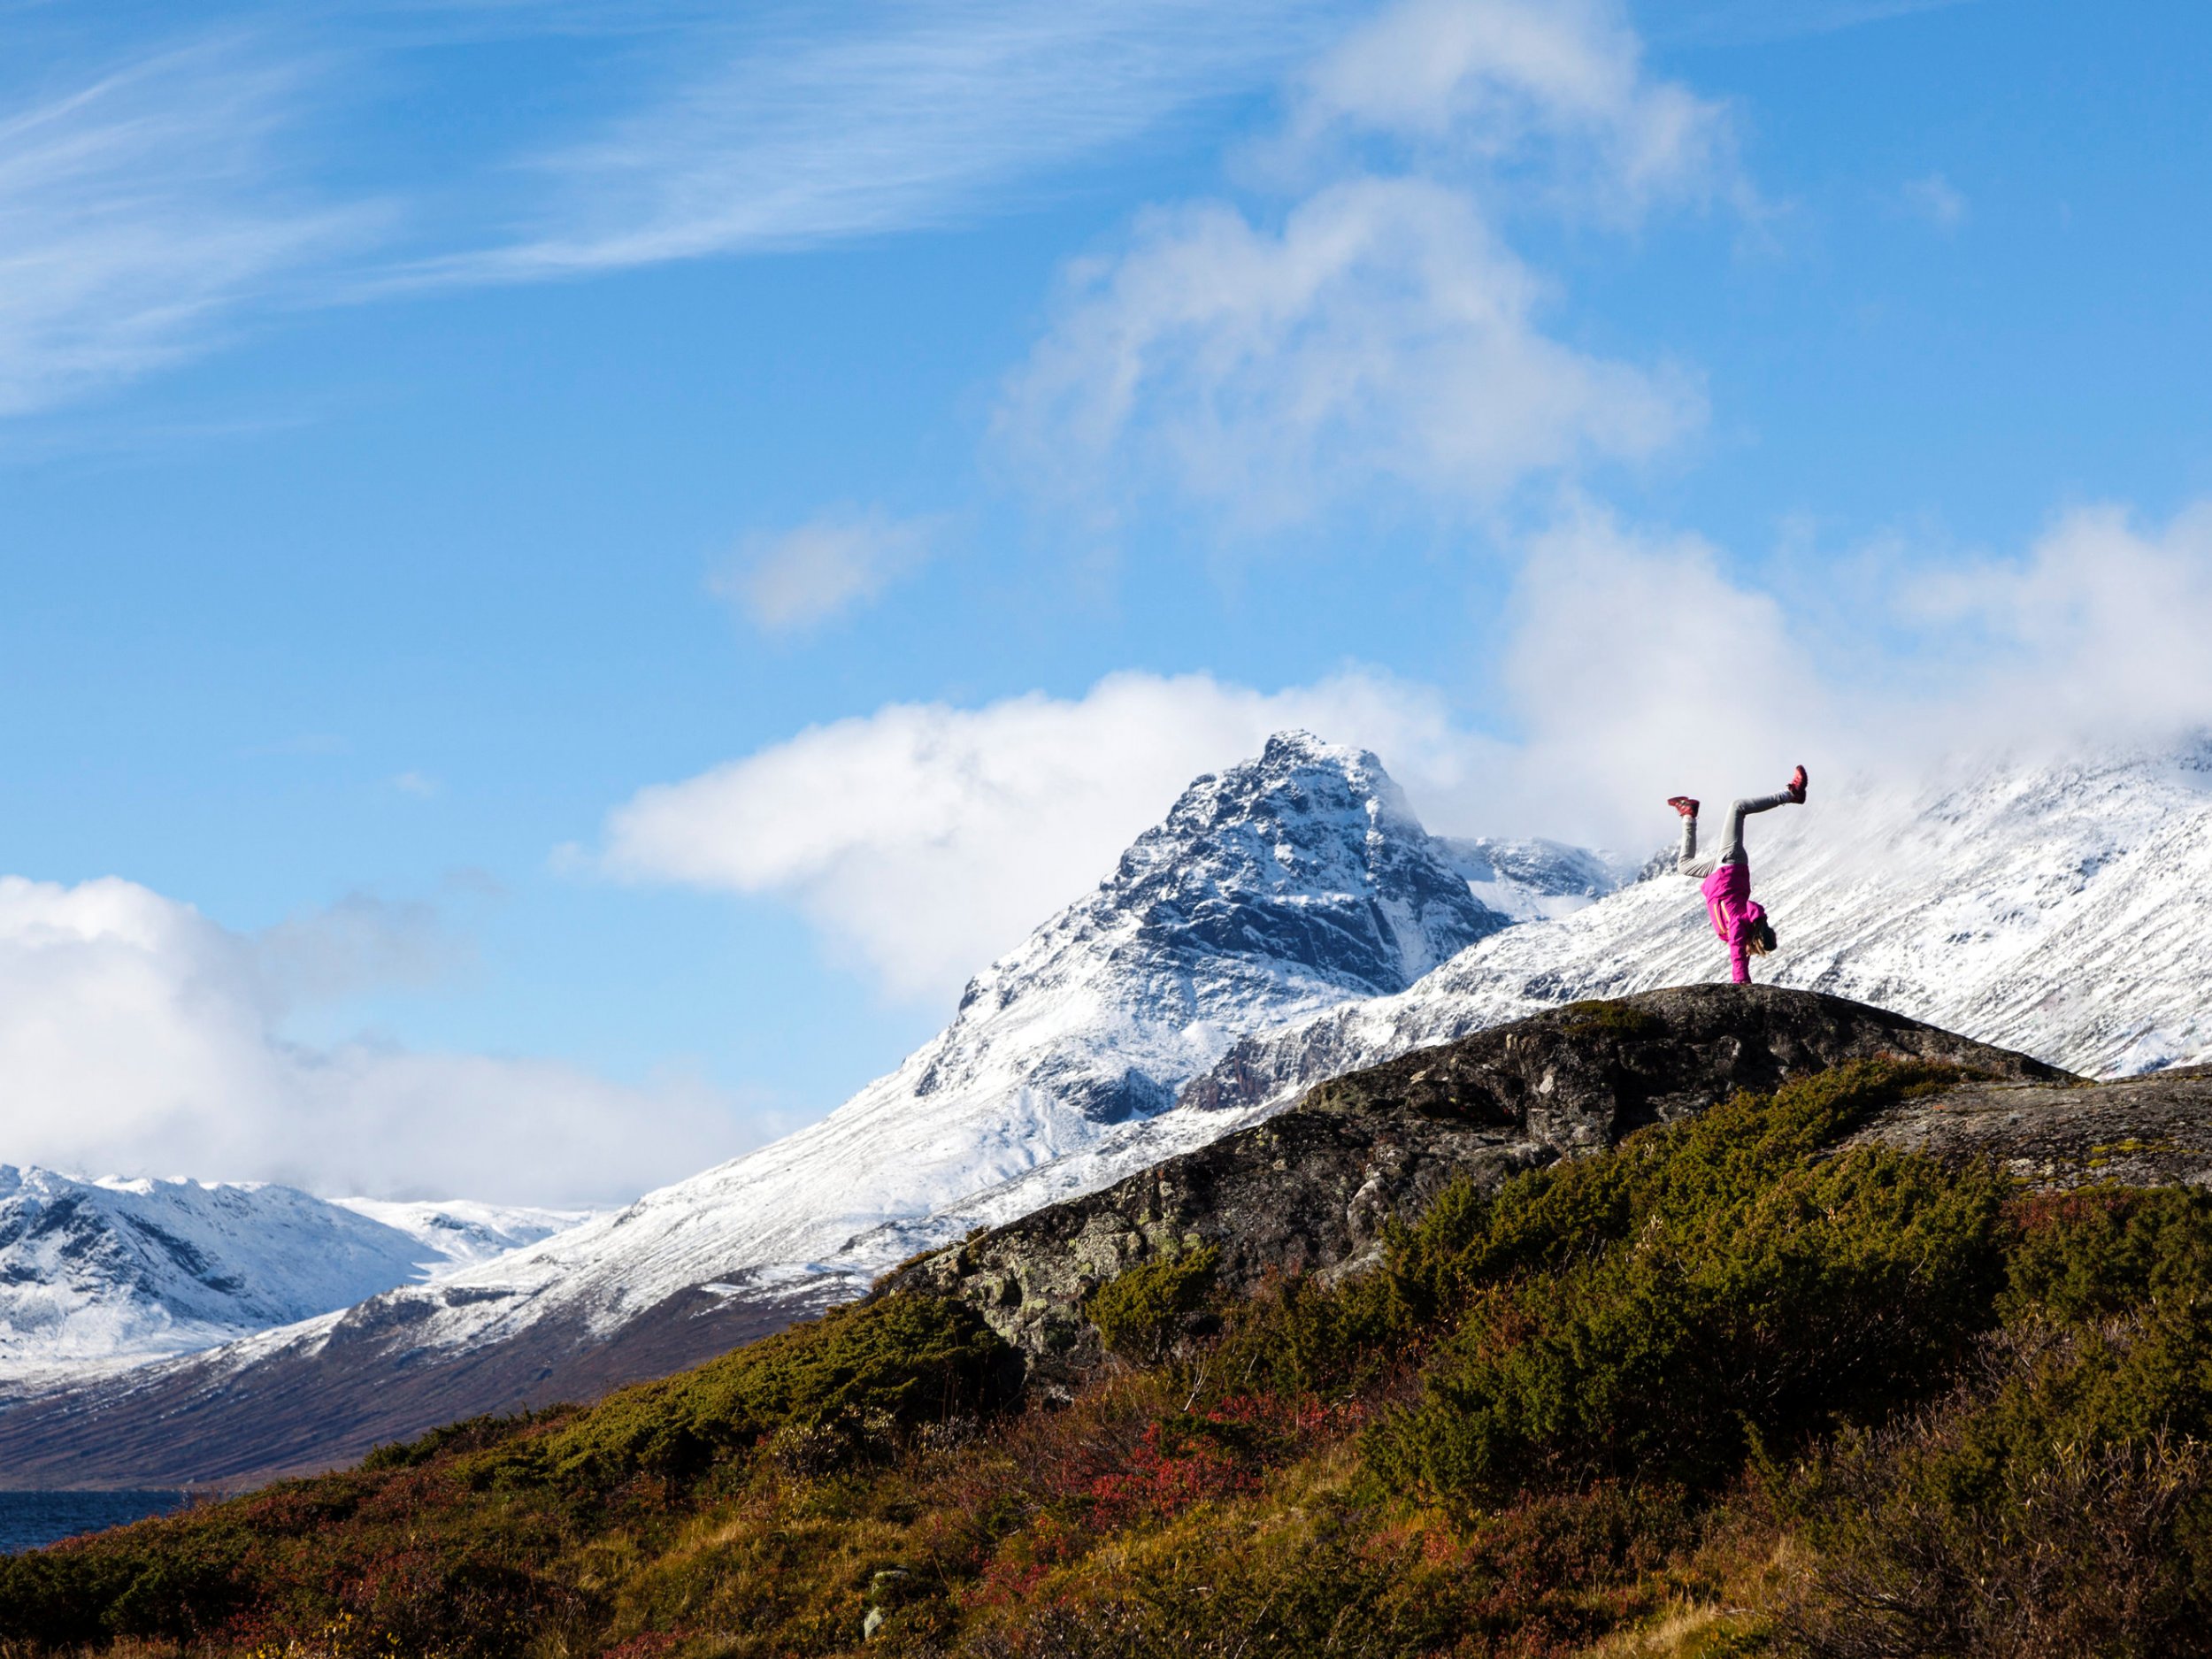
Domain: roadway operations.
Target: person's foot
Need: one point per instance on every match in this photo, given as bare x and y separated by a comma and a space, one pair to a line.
1687, 808
1797, 785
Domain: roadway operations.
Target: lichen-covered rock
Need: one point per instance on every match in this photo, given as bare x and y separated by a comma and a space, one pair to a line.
2154, 1131
1313, 1189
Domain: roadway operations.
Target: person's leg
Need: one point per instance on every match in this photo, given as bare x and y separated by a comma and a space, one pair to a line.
1731, 845
1685, 861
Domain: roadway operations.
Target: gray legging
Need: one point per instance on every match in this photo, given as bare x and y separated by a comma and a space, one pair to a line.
1687, 862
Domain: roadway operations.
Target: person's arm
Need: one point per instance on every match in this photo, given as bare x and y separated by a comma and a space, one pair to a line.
1738, 935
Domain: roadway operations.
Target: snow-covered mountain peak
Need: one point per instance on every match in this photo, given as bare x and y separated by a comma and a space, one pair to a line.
1272, 889
1305, 868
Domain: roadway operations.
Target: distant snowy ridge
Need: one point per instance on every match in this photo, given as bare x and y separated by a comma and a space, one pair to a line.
101, 1274
458, 1232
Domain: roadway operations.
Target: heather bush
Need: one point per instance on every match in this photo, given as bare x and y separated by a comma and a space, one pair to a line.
1319, 1577
2059, 1500
471, 1434
1982, 1527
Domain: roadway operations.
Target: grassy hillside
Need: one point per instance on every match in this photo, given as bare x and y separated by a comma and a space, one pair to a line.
1717, 1392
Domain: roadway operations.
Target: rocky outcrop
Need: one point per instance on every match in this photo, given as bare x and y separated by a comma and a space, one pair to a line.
1313, 1189
2154, 1131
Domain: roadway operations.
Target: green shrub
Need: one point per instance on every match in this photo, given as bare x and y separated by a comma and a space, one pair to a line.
471, 1434
1298, 1336
854, 1376
2026, 1516
1140, 1313
2090, 1254
1662, 1310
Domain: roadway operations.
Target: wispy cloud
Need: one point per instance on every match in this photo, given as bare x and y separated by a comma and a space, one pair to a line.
1379, 329
141, 209
151, 210
1382, 333
1494, 84
802, 576
924, 115
1936, 199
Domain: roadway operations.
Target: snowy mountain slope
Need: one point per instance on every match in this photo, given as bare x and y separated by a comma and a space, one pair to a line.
1535, 881
99, 1274
1273, 890
456, 1234
2062, 910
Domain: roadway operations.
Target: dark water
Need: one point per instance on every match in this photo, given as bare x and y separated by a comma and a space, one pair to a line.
28, 1519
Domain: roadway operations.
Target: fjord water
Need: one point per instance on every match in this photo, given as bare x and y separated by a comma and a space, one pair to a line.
28, 1519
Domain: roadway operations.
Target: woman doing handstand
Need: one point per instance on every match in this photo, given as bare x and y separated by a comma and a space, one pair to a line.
1737, 918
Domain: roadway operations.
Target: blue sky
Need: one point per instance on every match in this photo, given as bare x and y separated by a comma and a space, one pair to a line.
571, 568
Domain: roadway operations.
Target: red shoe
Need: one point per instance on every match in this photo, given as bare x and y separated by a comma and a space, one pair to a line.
1797, 785
1686, 807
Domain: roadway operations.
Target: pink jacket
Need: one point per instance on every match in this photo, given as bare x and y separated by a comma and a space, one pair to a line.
1735, 914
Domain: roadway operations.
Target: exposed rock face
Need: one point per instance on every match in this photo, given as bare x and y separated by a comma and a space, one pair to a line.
2153, 1131
1312, 1189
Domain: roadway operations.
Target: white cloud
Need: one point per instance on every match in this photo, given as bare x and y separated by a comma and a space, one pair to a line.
807, 575
2099, 628
140, 211
1936, 199
1382, 333
1639, 670
925, 839
1561, 82
1377, 330
138, 1037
